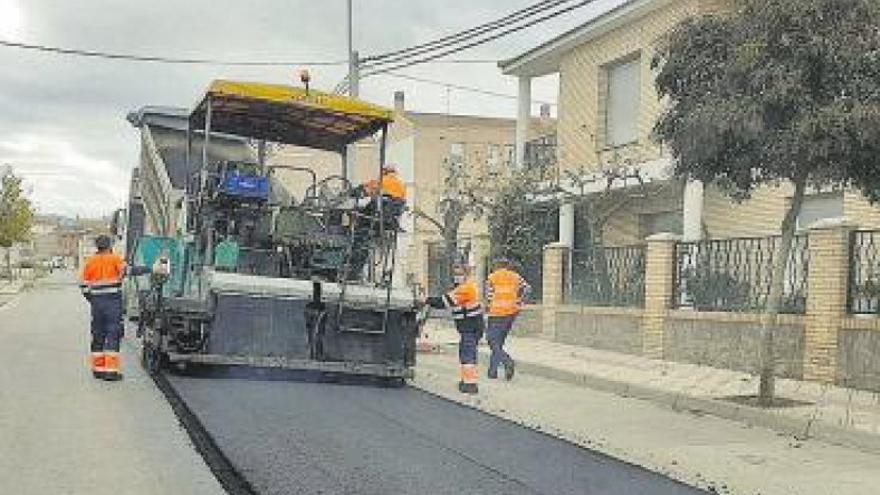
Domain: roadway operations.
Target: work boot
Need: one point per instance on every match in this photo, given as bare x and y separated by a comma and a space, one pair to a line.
469, 388
509, 370
112, 376
98, 375
461, 387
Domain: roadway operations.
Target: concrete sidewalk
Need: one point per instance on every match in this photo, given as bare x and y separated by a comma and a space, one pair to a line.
62, 431
833, 414
704, 450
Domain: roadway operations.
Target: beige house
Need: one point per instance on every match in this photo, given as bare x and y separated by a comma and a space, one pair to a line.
607, 109
699, 302
419, 144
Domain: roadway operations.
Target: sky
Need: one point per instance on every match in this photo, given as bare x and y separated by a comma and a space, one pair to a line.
62, 118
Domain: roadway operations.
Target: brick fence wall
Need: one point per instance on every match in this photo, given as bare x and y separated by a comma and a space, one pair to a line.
826, 344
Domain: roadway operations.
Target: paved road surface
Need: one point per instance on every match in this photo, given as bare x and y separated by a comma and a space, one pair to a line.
311, 438
61, 431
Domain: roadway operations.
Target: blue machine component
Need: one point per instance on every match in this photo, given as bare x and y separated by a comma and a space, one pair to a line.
242, 185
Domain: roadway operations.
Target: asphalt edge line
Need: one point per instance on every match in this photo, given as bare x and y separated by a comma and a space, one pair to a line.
220, 465
706, 487
800, 429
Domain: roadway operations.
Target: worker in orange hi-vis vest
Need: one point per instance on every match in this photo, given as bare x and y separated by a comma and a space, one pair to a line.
506, 292
391, 190
467, 312
392, 185
101, 285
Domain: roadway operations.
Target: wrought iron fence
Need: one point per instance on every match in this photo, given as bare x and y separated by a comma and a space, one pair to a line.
734, 274
863, 294
607, 276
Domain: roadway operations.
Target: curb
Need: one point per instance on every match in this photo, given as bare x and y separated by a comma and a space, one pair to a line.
798, 428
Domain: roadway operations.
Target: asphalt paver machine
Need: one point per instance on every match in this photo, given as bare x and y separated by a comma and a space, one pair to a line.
265, 276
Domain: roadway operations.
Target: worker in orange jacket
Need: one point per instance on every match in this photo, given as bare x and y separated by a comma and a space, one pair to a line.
391, 190
101, 285
467, 312
392, 186
506, 292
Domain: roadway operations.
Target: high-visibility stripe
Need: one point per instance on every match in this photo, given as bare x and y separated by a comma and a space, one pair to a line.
469, 373
467, 311
104, 283
105, 290
98, 361
112, 361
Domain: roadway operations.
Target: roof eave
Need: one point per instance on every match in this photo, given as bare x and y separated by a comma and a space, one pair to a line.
546, 58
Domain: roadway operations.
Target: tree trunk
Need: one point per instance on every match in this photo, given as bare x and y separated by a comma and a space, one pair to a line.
770, 318
451, 223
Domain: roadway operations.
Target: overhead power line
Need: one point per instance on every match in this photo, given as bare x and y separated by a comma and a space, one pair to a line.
482, 41
470, 33
158, 59
461, 87
195, 61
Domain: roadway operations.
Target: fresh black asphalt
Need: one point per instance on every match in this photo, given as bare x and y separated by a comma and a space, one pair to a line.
300, 437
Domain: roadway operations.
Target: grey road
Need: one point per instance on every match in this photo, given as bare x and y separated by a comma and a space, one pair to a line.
290, 437
62, 431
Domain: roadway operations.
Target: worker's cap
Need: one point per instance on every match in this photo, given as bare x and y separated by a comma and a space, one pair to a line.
389, 167
103, 242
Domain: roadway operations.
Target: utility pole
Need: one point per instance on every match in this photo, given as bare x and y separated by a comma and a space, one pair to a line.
353, 87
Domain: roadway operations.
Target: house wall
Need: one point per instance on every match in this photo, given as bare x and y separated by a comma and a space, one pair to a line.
624, 227
589, 327
761, 215
858, 345
732, 341
582, 89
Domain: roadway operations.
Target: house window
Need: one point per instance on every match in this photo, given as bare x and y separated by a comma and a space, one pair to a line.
456, 152
509, 155
662, 222
493, 157
622, 103
820, 206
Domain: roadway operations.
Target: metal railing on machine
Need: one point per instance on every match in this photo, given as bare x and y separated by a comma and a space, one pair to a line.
734, 275
607, 276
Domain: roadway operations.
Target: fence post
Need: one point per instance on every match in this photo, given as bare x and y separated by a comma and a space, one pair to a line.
553, 280
827, 288
659, 274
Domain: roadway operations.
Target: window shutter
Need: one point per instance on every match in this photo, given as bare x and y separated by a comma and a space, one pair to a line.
622, 106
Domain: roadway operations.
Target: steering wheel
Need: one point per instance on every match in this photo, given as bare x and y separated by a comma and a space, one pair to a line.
328, 193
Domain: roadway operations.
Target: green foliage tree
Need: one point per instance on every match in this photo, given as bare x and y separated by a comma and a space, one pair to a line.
16, 214
777, 91
505, 199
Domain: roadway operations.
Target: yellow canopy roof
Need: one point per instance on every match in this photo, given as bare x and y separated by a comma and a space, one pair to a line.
288, 114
